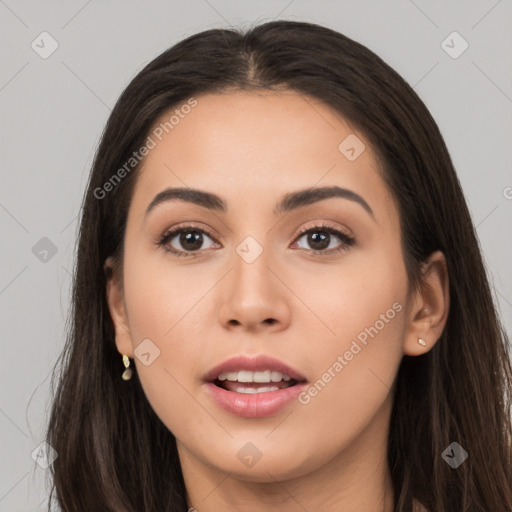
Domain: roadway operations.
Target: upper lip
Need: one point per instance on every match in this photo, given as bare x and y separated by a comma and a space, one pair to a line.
253, 364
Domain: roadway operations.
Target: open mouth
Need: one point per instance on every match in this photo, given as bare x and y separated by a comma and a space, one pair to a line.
254, 382
254, 388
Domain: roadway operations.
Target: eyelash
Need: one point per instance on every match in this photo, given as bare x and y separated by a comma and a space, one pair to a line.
347, 241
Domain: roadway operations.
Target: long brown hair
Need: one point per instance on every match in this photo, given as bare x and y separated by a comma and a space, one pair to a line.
114, 454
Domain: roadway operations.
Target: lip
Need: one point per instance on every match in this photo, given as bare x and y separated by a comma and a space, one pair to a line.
257, 405
253, 364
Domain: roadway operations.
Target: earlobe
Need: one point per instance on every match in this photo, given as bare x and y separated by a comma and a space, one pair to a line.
117, 308
431, 303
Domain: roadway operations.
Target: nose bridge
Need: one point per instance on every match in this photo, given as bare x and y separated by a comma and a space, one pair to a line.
251, 261
253, 251
254, 232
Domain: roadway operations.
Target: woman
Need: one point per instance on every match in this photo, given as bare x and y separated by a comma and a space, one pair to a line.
279, 299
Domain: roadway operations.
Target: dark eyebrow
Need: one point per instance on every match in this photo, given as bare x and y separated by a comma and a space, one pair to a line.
290, 201
190, 195
300, 198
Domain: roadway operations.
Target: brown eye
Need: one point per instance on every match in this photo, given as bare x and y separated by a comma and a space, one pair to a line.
185, 241
191, 240
320, 238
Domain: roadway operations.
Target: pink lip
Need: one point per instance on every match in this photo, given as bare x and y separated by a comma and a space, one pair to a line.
253, 364
257, 405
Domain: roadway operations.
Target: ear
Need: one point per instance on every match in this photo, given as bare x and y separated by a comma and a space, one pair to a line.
117, 307
430, 306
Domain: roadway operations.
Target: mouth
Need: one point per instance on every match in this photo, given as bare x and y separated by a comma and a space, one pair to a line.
261, 374
246, 381
256, 387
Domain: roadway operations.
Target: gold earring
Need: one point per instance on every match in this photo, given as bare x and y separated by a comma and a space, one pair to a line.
422, 342
127, 374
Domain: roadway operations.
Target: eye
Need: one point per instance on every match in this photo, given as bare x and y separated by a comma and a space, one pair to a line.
189, 239
320, 237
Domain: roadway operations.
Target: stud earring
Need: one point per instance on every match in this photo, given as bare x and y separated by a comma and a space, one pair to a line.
127, 374
422, 342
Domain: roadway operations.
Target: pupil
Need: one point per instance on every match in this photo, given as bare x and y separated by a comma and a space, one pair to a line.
315, 240
193, 238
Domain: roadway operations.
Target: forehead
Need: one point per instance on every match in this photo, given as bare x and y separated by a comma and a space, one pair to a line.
257, 145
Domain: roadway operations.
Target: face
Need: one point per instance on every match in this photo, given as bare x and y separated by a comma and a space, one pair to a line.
311, 285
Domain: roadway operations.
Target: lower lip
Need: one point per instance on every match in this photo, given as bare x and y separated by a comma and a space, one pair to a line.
254, 405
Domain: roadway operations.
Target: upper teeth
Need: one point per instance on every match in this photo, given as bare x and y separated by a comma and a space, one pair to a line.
246, 376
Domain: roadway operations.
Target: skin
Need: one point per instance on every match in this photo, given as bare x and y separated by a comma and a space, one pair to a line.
251, 149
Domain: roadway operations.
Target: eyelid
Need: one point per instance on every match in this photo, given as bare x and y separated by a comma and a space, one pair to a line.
169, 233
327, 225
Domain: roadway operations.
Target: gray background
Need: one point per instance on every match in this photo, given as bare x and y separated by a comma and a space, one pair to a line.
53, 111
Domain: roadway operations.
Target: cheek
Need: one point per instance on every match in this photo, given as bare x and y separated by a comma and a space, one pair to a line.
348, 297
159, 294
160, 308
358, 330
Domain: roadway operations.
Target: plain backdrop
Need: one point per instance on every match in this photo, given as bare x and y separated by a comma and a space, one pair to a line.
54, 107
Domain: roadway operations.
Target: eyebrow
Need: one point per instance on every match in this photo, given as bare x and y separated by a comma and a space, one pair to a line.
290, 201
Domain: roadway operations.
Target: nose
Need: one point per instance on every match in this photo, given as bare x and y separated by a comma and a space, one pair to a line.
255, 298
